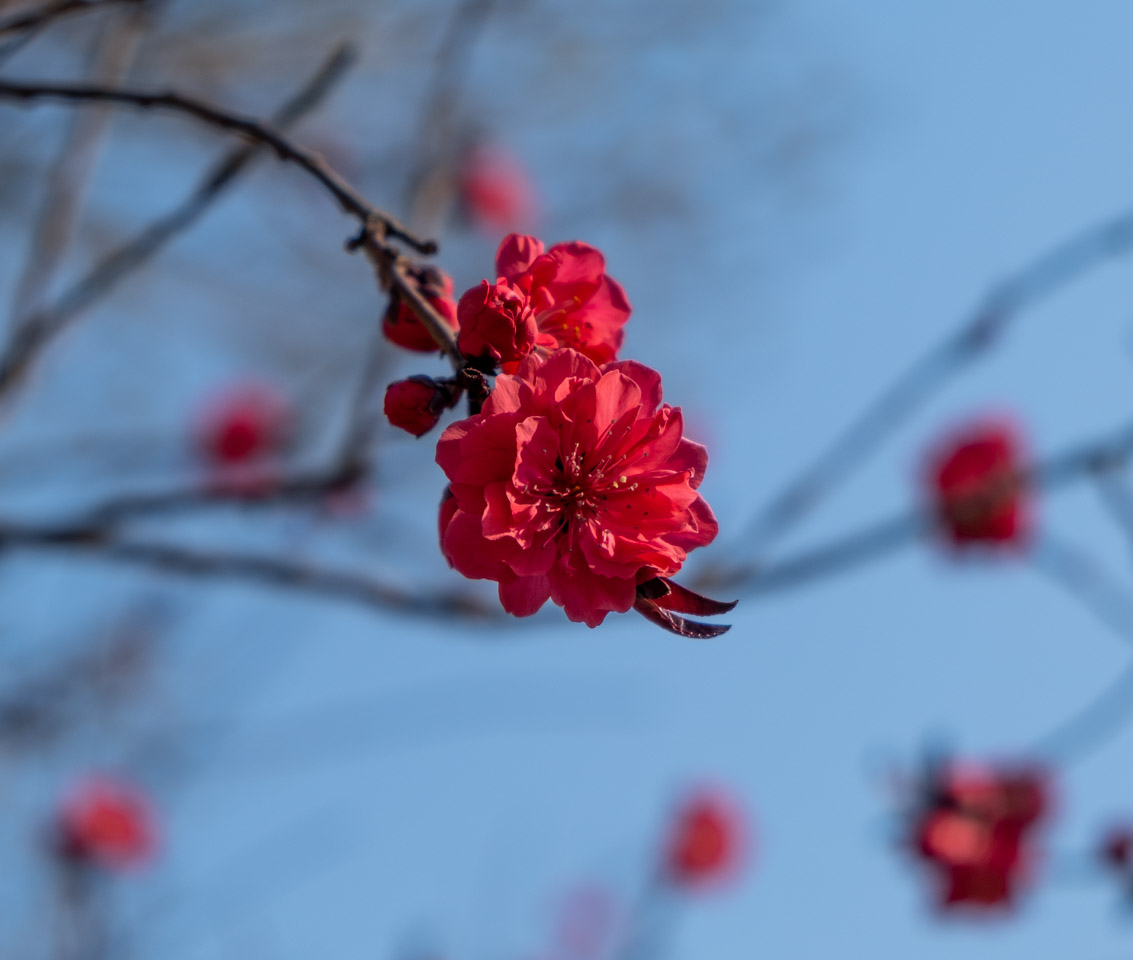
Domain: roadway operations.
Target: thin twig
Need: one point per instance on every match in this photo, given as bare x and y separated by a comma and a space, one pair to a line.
1081, 578
34, 19
27, 26
436, 132
73, 169
883, 537
978, 332
44, 326
351, 202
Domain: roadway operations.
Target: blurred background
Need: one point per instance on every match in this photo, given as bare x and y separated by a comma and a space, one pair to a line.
799, 198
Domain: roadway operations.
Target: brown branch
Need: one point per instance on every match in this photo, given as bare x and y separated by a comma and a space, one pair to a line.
376, 226
41, 328
978, 332
94, 534
251, 567
353, 203
27, 26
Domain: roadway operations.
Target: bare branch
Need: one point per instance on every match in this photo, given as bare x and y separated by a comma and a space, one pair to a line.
33, 336
1002, 306
251, 567
1082, 579
26, 26
73, 169
882, 538
351, 202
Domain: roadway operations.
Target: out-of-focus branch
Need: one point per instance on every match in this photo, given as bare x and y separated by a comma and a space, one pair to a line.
882, 538
351, 202
252, 567
73, 169
1082, 579
24, 27
34, 19
429, 166
976, 335
43, 326
94, 533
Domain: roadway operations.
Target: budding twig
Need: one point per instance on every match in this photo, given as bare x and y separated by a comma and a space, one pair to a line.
32, 337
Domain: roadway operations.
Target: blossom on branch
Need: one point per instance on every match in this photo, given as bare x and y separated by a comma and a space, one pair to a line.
977, 489
973, 830
497, 323
575, 484
401, 325
542, 301
106, 823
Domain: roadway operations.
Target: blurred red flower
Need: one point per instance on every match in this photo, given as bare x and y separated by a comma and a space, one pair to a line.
401, 325
244, 425
706, 842
574, 484
974, 832
495, 189
107, 823
975, 480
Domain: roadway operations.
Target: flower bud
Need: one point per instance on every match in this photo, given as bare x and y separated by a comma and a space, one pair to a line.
496, 323
401, 325
415, 405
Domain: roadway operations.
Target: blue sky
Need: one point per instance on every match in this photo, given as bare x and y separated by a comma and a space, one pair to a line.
844, 183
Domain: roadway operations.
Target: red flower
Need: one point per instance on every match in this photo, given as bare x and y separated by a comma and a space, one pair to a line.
573, 484
244, 425
107, 823
416, 404
974, 832
706, 841
400, 323
979, 494
496, 190
576, 305
496, 323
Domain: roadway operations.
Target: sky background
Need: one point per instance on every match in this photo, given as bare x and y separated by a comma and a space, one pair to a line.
799, 199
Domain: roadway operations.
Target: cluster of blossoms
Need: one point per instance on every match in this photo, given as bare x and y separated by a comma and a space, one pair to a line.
973, 829
571, 481
105, 823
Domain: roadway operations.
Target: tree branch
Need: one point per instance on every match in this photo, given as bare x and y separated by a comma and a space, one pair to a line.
376, 226
32, 337
976, 334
